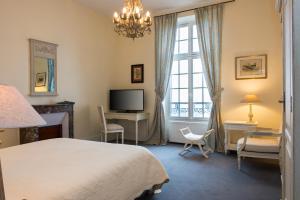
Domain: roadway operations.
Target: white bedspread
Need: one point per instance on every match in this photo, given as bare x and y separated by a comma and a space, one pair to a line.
70, 169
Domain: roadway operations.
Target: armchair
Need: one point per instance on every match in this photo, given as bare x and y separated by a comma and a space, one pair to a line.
259, 144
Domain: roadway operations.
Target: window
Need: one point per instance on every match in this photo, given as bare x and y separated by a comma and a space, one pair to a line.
188, 93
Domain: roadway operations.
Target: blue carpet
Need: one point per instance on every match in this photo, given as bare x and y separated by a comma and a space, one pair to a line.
193, 177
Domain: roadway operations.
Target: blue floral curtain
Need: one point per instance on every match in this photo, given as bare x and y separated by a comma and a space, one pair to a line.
51, 75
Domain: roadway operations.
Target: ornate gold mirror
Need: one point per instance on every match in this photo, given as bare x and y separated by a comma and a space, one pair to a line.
43, 68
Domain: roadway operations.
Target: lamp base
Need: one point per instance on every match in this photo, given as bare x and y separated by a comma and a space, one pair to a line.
250, 118
250, 115
2, 194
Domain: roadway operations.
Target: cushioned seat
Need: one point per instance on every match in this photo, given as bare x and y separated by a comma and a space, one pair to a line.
193, 137
109, 128
259, 144
262, 145
114, 127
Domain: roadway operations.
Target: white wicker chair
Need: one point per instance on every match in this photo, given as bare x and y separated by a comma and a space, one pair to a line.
259, 144
195, 139
109, 128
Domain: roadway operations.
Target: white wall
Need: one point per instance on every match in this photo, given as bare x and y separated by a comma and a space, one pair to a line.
250, 27
139, 51
93, 59
85, 54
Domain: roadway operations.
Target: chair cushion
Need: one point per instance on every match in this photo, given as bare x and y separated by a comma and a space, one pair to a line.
262, 145
193, 137
114, 127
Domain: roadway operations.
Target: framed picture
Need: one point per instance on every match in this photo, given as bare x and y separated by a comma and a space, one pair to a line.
137, 73
40, 79
251, 67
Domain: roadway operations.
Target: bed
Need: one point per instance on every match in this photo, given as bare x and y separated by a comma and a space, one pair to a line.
71, 169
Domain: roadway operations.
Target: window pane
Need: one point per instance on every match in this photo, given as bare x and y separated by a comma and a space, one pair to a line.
176, 48
184, 33
184, 110
195, 34
174, 110
175, 67
195, 45
184, 66
182, 72
206, 96
174, 96
174, 81
198, 110
197, 65
184, 95
184, 81
197, 80
207, 109
183, 46
197, 95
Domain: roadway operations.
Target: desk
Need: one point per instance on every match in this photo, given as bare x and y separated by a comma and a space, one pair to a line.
136, 117
238, 126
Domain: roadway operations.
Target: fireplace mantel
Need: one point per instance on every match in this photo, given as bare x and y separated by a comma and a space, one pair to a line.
32, 134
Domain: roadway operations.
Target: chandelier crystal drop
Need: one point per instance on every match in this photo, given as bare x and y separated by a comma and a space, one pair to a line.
132, 22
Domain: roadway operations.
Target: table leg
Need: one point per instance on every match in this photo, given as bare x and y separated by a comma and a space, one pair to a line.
136, 132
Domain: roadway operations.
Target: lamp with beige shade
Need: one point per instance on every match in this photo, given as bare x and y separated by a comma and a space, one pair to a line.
15, 112
250, 99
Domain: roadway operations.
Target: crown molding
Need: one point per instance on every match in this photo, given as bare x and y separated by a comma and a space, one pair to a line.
190, 7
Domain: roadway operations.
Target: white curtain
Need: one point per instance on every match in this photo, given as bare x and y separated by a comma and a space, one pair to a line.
165, 33
278, 5
209, 27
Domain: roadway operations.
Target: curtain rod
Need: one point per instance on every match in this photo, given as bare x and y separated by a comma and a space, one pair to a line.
231, 1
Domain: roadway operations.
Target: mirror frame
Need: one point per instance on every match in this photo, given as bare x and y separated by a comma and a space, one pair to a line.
43, 50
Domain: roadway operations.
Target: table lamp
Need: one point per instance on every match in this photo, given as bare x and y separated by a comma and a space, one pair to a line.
15, 112
250, 99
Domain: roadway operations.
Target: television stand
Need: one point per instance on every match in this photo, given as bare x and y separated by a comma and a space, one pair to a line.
136, 117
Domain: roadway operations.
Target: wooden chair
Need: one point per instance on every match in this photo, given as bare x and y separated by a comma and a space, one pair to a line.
109, 128
195, 139
259, 144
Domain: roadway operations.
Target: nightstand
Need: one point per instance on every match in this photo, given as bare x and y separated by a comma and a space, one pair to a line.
234, 130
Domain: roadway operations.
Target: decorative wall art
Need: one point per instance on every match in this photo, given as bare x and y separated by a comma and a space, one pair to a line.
137, 73
251, 67
40, 79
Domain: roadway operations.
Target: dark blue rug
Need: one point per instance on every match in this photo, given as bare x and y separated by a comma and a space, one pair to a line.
195, 178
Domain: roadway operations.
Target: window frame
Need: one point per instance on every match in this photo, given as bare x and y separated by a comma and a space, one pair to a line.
190, 56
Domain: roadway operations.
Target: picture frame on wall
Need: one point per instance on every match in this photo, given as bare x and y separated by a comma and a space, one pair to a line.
40, 79
137, 73
251, 67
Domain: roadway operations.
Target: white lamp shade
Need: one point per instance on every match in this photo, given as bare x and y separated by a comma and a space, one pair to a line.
250, 98
15, 110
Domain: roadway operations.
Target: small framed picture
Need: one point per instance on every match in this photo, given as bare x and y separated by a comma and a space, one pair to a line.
137, 73
40, 79
251, 67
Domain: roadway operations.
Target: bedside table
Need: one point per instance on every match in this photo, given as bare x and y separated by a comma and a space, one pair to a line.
234, 130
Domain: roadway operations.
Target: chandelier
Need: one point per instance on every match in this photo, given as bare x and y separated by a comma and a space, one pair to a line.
132, 22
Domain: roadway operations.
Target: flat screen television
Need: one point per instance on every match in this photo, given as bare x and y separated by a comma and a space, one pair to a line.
126, 100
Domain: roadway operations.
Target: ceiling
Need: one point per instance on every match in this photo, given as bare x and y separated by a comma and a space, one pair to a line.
156, 7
